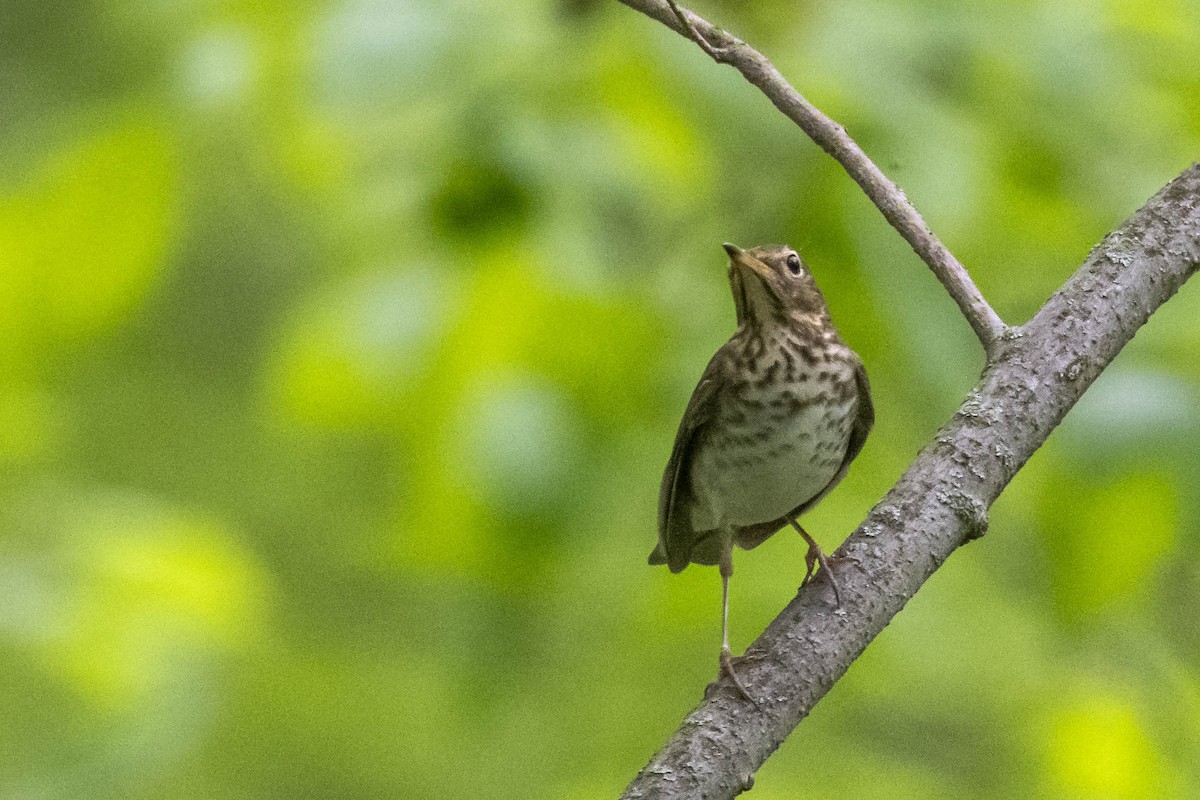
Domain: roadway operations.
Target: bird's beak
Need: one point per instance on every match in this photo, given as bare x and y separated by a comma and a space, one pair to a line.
744, 261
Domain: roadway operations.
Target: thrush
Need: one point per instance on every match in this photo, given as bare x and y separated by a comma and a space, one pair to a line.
779, 414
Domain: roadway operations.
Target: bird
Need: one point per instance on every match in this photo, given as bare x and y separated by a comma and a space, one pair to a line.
779, 414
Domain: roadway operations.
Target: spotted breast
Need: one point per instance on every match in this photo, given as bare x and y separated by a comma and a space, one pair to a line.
780, 437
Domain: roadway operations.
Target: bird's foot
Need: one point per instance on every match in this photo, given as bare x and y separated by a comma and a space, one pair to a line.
727, 671
815, 553
814, 556
810, 563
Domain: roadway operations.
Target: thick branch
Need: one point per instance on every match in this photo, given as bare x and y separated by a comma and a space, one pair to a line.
940, 502
833, 138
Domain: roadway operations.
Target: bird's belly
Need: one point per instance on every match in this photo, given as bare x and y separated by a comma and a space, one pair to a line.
759, 473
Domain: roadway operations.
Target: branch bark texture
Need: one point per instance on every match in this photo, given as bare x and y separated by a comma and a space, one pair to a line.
1038, 373
833, 139
1034, 375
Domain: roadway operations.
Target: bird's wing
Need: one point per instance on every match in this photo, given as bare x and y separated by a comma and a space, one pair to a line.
675, 535
864, 420
751, 536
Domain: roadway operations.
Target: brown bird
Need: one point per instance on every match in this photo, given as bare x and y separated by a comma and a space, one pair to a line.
780, 412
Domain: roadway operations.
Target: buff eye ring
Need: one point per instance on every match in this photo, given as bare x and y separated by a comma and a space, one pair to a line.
793, 263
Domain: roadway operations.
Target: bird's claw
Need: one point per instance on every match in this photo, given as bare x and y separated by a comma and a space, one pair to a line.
816, 555
727, 671
833, 581
810, 563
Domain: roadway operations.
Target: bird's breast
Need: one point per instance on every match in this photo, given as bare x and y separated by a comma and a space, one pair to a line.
772, 446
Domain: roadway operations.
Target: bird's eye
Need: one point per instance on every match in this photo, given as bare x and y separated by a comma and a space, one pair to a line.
793, 262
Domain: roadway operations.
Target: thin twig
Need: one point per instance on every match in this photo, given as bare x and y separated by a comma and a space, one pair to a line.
832, 138
716, 54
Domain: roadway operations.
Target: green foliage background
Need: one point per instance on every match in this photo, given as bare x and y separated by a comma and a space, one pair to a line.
342, 345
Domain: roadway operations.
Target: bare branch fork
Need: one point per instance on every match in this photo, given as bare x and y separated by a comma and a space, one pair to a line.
832, 137
1033, 376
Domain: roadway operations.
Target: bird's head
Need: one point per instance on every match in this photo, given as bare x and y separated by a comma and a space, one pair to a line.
772, 284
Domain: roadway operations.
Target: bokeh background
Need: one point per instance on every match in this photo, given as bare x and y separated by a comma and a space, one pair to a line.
342, 345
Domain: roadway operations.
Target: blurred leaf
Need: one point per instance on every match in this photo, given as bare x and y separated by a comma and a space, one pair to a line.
353, 348
82, 241
478, 202
31, 422
1104, 539
1099, 751
124, 610
147, 584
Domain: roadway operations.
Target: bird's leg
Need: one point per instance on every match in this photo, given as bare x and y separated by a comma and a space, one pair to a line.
816, 556
726, 568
